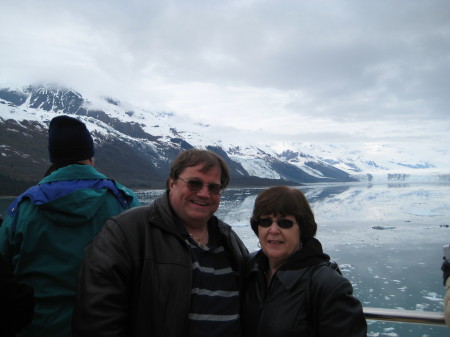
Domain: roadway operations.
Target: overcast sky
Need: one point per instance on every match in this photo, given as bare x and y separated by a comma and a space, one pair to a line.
359, 71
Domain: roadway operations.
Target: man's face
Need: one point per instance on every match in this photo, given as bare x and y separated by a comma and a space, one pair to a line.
194, 208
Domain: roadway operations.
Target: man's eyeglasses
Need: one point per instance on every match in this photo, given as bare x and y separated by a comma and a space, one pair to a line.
282, 223
196, 185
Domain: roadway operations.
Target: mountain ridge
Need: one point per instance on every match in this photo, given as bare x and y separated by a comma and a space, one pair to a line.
135, 146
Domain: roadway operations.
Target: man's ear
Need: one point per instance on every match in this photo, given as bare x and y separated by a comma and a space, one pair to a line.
172, 183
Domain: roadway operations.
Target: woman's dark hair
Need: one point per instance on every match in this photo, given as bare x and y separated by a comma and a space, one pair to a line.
193, 157
285, 201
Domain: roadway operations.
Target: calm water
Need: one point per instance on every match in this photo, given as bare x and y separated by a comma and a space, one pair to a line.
387, 239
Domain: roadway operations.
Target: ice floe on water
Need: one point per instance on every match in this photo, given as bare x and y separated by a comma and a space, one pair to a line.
434, 297
423, 212
383, 227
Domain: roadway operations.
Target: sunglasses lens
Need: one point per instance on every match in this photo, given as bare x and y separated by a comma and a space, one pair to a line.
265, 222
285, 223
282, 223
195, 185
214, 188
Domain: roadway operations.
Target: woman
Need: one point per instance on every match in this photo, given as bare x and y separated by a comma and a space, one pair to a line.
289, 288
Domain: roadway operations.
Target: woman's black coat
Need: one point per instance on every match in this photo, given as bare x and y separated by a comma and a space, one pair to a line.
290, 305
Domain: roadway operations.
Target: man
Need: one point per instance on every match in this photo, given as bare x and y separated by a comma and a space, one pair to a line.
49, 225
168, 269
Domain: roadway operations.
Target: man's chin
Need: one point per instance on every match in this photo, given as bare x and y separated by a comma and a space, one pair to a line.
200, 217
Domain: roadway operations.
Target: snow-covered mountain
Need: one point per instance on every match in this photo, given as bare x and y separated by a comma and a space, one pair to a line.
136, 146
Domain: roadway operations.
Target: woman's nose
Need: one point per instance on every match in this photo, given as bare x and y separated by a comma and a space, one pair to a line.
274, 228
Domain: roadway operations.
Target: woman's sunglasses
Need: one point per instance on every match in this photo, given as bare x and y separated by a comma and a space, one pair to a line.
282, 223
196, 185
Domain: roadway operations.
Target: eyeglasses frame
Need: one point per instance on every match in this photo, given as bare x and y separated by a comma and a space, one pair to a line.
194, 189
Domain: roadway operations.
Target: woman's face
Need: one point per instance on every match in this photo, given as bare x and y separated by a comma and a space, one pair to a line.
276, 242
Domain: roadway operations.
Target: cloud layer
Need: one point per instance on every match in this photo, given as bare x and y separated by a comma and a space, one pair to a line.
334, 71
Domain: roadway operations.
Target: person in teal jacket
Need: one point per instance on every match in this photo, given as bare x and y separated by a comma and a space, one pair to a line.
49, 225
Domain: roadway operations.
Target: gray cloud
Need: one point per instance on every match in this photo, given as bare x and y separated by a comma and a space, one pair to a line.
346, 62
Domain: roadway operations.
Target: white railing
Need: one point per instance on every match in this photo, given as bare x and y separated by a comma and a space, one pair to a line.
405, 316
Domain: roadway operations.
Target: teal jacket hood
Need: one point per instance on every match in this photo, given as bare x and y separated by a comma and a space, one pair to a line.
73, 194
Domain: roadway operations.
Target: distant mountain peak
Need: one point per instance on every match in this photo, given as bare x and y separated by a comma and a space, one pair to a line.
137, 145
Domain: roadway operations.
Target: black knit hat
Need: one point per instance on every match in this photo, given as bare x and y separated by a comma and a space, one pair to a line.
69, 140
